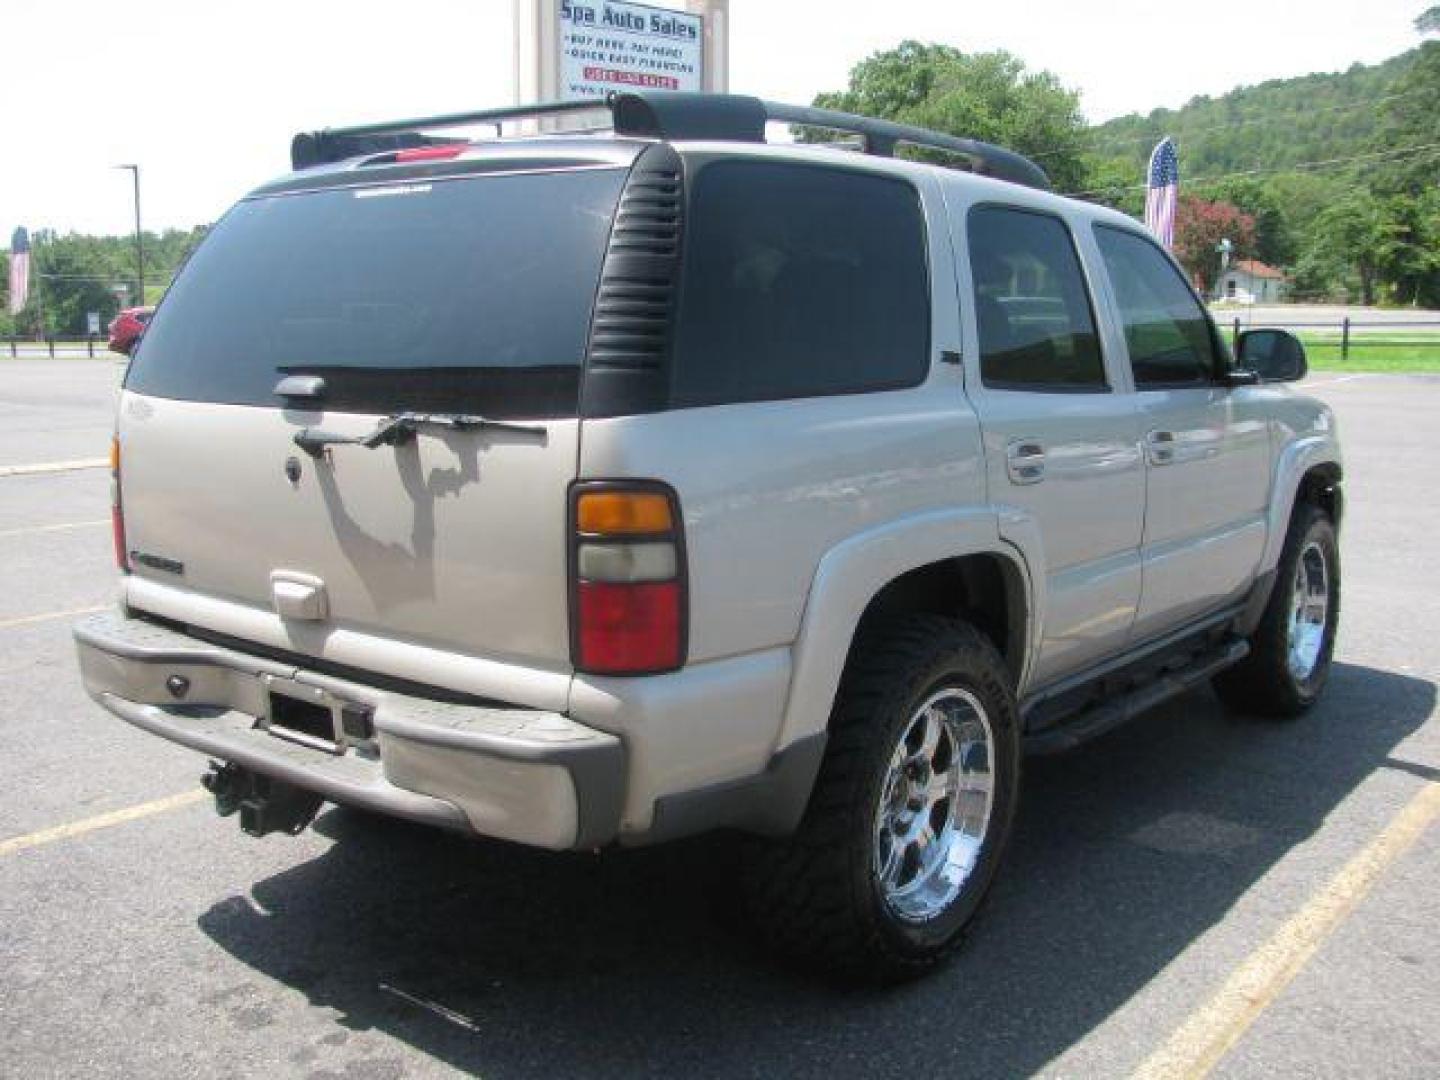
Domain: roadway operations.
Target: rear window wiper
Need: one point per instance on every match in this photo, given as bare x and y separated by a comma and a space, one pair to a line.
400, 428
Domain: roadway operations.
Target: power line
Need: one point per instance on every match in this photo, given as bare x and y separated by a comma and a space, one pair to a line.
1299, 166
80, 277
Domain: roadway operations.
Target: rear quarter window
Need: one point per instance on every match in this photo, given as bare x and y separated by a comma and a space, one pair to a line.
800, 281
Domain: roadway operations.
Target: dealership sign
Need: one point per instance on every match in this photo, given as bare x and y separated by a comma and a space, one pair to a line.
606, 45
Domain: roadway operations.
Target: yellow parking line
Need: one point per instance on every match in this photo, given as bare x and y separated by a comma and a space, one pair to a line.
54, 466
1199, 1044
27, 530
30, 620
100, 821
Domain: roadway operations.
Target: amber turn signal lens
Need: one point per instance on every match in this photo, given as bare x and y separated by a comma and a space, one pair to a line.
602, 513
117, 520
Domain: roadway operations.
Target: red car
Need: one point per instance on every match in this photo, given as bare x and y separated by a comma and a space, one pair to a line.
125, 331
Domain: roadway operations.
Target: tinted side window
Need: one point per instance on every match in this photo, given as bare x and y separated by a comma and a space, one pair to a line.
800, 281
1165, 328
1037, 330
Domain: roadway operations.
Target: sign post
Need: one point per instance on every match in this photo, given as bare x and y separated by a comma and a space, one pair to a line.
575, 49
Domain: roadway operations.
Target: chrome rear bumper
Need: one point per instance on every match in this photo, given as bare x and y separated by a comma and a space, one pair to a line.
534, 777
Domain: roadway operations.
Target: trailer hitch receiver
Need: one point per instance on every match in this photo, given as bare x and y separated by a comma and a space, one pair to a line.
265, 805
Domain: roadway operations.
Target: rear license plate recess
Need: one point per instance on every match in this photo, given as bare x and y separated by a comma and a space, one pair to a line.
312, 717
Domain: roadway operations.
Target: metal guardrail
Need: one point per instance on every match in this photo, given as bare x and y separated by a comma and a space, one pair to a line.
30, 346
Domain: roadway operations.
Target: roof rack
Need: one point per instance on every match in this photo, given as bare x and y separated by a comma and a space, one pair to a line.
729, 117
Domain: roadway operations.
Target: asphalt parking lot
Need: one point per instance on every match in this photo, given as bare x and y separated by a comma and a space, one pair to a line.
1165, 882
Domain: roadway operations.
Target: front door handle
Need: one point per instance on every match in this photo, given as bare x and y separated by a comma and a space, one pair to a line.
1160, 447
1025, 461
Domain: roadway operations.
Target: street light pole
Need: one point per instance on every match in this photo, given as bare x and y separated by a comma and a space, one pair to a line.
139, 241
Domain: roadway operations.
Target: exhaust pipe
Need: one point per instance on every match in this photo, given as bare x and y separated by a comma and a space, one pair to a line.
265, 805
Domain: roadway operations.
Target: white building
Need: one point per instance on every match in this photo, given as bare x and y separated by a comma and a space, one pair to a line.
1250, 281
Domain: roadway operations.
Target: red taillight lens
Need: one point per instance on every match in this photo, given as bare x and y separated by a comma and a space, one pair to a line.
631, 628
117, 520
627, 574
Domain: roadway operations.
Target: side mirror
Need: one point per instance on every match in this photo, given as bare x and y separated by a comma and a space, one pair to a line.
1274, 355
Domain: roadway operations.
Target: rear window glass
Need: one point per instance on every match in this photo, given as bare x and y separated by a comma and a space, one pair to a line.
466, 295
800, 281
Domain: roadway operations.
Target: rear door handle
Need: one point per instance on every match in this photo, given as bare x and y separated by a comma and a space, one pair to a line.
1025, 461
1160, 447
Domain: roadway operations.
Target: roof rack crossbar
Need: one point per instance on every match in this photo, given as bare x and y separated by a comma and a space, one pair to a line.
881, 137
727, 117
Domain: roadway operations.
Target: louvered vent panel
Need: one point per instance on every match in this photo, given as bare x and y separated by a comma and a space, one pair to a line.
632, 312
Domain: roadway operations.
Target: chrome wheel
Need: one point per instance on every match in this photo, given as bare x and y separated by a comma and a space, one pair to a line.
1309, 606
935, 805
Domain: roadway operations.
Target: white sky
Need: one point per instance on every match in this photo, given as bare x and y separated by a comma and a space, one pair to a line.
205, 95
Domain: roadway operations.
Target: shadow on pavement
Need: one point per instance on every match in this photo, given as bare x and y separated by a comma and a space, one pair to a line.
510, 962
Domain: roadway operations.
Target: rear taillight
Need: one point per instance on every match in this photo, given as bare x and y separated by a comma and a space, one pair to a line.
117, 520
627, 579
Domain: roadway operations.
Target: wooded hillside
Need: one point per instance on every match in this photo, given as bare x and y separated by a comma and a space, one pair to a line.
1276, 124
1328, 177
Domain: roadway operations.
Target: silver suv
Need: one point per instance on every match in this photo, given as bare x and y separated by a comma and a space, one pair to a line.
608, 487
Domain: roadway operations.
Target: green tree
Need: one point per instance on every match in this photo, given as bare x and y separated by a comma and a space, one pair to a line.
75, 274
986, 96
1200, 226
1389, 246
1353, 234
1429, 21
1275, 242
1409, 249
1114, 182
1319, 274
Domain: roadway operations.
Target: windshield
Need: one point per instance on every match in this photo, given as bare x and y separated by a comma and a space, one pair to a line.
468, 295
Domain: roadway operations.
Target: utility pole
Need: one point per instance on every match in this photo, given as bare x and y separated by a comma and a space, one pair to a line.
139, 239
717, 42
1224, 247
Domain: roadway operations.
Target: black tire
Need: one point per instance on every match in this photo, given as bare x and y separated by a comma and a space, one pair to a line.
1263, 684
816, 896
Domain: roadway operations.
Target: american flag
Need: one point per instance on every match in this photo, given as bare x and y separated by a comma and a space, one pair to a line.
1162, 187
19, 270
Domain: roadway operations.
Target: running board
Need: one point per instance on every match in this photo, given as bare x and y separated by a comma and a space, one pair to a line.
1096, 721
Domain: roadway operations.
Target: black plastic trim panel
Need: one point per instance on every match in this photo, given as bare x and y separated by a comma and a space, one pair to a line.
770, 804
632, 328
